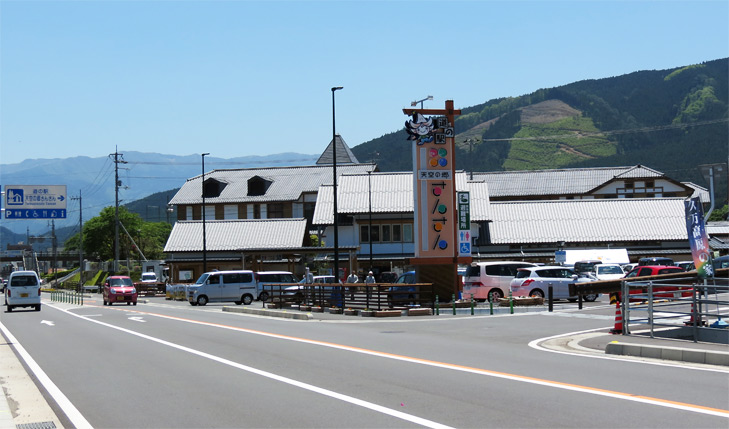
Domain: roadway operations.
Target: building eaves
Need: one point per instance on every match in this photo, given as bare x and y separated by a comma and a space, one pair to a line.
237, 235
601, 220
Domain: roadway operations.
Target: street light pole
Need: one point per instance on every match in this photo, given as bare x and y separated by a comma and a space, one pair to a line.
369, 194
334, 170
205, 249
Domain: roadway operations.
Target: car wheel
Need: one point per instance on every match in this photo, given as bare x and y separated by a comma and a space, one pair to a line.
202, 300
537, 293
10, 308
591, 297
37, 307
109, 303
129, 303
263, 296
495, 295
247, 299
134, 303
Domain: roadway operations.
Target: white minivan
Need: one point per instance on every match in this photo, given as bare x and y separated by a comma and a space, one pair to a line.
23, 290
486, 280
237, 286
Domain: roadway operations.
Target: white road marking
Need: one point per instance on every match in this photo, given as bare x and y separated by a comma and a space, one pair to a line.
71, 412
47, 322
137, 319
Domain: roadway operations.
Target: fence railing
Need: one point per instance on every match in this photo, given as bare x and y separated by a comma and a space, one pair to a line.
375, 296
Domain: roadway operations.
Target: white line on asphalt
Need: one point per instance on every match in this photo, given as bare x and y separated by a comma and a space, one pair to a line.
71, 412
536, 344
346, 398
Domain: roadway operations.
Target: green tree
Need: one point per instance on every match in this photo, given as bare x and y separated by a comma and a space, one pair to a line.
99, 234
719, 214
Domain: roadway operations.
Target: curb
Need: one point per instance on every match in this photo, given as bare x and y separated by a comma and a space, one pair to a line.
668, 353
262, 312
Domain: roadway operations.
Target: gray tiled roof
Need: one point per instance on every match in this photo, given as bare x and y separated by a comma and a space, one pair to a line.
288, 183
391, 193
599, 220
244, 234
344, 153
557, 182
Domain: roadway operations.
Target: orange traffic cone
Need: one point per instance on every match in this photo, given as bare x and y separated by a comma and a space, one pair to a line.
618, 329
699, 322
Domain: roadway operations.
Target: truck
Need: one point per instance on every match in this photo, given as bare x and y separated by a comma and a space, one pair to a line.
606, 256
154, 278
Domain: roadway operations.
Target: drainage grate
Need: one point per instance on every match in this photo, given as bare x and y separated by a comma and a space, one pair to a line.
39, 425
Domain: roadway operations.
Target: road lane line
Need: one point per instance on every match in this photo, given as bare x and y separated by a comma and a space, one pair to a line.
326, 392
63, 402
514, 377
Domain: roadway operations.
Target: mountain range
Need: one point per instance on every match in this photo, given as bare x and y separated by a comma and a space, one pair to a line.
671, 120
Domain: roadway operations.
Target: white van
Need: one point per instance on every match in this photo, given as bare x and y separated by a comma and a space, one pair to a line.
23, 290
271, 283
490, 279
219, 286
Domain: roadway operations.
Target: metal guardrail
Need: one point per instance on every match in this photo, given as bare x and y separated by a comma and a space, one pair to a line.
698, 309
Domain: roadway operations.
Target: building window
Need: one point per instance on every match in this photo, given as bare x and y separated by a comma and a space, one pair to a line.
188, 213
386, 237
230, 211
397, 232
275, 211
407, 233
364, 233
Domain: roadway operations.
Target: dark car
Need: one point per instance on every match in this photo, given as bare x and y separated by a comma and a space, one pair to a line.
405, 292
387, 277
656, 261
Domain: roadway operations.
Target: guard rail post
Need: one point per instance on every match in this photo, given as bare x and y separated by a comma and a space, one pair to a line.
579, 301
511, 303
491, 306
437, 306
550, 293
471, 304
453, 300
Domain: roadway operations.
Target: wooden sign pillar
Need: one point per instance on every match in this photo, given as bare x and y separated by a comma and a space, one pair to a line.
434, 193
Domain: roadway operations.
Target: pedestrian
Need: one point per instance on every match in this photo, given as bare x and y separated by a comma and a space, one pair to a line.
352, 278
370, 278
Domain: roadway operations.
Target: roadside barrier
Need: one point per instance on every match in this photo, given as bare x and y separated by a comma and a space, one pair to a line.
618, 328
67, 296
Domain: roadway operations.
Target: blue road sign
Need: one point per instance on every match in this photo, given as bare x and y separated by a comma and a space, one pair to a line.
35, 213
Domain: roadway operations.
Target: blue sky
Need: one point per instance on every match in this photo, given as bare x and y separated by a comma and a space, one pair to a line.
237, 78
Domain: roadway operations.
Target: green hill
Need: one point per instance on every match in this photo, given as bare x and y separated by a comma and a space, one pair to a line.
671, 120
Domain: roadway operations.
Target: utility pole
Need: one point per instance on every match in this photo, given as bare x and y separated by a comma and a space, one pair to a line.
80, 241
118, 159
54, 243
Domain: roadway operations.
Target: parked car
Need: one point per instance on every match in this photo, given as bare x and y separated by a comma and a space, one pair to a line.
686, 265
404, 292
149, 277
656, 261
721, 262
238, 286
387, 277
23, 290
319, 286
119, 289
266, 279
608, 272
653, 270
490, 280
584, 268
535, 281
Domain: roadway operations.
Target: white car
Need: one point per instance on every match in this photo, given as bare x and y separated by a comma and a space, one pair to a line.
535, 281
23, 290
608, 272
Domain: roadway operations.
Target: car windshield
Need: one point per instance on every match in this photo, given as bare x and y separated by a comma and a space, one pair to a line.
150, 276
583, 267
608, 269
120, 282
201, 280
24, 281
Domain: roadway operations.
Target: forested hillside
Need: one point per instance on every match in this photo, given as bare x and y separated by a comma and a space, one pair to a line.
671, 120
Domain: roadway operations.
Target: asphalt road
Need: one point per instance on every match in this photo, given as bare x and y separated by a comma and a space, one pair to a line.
168, 364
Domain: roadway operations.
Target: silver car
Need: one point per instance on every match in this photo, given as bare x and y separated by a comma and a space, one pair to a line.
535, 281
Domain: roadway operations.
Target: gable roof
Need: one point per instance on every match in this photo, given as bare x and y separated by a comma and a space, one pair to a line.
601, 220
344, 154
287, 183
237, 235
391, 193
566, 181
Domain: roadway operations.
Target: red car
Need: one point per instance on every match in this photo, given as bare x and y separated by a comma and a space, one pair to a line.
119, 289
652, 270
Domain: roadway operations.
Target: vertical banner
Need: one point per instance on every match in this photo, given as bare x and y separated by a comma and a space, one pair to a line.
698, 239
464, 224
434, 187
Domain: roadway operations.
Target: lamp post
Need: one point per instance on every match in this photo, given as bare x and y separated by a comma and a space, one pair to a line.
334, 170
205, 249
369, 195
